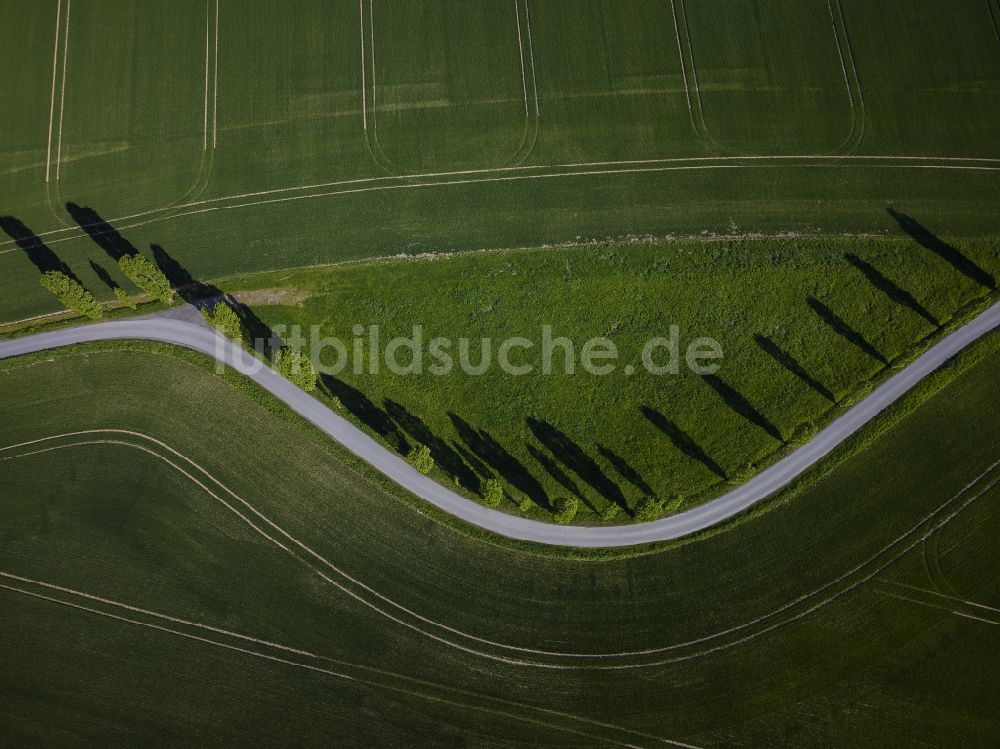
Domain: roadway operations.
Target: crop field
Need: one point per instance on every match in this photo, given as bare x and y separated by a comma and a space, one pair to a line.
169, 572
244, 138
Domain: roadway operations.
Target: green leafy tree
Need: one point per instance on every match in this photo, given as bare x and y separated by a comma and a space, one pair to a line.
143, 273
526, 505
122, 296
565, 509
610, 513
295, 367
420, 458
492, 491
72, 294
223, 318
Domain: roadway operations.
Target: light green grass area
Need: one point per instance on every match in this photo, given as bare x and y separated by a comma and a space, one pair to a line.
852, 613
249, 138
803, 329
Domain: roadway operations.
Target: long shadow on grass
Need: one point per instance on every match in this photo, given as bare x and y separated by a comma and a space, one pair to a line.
365, 411
738, 403
682, 440
103, 233
573, 457
895, 292
625, 470
787, 361
551, 467
844, 330
103, 274
32, 245
201, 295
444, 454
952, 255
482, 445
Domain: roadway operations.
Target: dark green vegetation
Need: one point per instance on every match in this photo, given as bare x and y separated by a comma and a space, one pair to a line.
294, 148
854, 614
805, 324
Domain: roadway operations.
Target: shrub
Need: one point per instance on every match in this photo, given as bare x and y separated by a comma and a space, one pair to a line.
122, 296
492, 491
224, 318
297, 368
610, 513
649, 509
526, 505
420, 458
72, 294
143, 273
565, 509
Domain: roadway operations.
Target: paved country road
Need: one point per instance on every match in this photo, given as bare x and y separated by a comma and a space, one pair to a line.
199, 338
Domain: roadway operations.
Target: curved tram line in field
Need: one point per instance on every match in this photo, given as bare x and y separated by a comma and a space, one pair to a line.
369, 597
518, 174
376, 677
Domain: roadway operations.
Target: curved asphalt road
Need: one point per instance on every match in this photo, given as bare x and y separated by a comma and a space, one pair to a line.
766, 483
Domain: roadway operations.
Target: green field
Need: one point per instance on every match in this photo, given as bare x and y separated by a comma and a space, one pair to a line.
803, 330
815, 185
291, 133
854, 613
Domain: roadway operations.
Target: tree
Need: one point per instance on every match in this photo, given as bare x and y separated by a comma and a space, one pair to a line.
295, 367
492, 491
122, 296
420, 458
565, 509
223, 318
143, 273
610, 513
72, 294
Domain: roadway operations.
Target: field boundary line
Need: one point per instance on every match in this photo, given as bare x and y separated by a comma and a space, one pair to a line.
52, 101
943, 162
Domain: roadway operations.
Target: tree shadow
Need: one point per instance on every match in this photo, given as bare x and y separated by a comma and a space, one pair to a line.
103, 275
103, 233
682, 440
787, 361
444, 454
844, 330
738, 403
482, 444
201, 295
952, 255
625, 470
896, 293
573, 457
551, 467
365, 411
483, 470
43, 258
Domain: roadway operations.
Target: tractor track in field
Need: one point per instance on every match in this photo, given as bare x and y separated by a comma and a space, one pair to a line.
509, 174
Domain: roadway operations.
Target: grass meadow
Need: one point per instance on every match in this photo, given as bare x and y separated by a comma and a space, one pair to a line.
805, 325
866, 595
